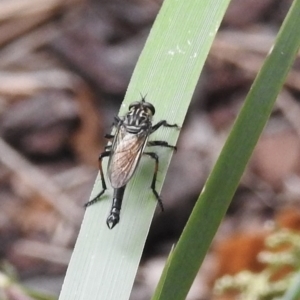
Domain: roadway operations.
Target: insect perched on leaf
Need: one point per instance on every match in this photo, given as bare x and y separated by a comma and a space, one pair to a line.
128, 145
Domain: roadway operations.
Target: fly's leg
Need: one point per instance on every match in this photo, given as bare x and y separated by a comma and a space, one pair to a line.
155, 157
116, 121
163, 123
109, 136
162, 144
94, 200
114, 216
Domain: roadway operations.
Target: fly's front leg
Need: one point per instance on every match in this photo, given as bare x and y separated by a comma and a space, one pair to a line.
155, 157
109, 137
162, 144
94, 200
116, 121
163, 123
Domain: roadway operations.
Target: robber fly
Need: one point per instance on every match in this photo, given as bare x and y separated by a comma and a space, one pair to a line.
128, 145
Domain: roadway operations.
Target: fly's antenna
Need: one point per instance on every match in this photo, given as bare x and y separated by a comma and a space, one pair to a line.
143, 97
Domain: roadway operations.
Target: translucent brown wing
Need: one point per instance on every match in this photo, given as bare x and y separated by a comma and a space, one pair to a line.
127, 149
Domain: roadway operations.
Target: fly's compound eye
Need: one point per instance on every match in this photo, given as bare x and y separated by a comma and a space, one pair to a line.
134, 105
149, 107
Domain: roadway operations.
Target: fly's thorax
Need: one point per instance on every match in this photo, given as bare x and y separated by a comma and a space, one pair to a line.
138, 120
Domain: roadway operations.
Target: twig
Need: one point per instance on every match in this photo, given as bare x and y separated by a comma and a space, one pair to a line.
248, 52
29, 83
39, 183
43, 251
15, 28
18, 49
17, 8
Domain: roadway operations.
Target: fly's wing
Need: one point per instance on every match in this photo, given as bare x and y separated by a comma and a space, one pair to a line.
127, 149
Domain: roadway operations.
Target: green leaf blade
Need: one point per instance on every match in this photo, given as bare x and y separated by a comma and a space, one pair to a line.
104, 262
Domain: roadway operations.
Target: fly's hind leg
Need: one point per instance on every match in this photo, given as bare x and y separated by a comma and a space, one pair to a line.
94, 200
155, 157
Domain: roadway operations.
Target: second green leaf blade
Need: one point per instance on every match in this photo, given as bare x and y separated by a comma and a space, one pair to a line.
184, 262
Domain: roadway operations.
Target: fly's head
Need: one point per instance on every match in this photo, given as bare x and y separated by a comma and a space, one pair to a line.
139, 117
